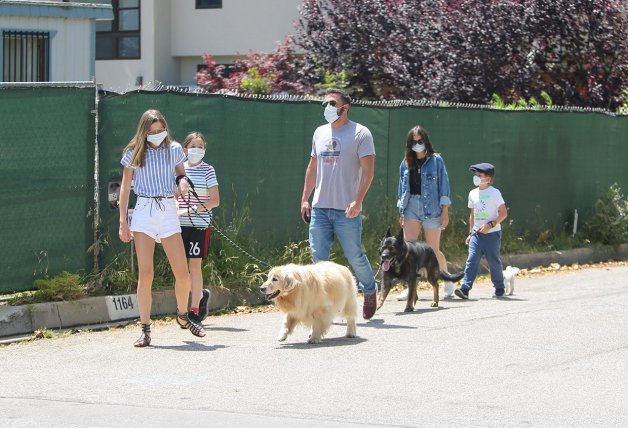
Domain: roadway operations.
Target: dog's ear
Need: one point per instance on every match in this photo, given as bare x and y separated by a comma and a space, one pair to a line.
400, 235
388, 234
289, 281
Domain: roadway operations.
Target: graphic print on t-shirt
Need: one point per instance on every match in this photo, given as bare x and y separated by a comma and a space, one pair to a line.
331, 152
480, 208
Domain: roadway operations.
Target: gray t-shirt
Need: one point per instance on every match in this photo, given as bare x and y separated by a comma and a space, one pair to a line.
338, 152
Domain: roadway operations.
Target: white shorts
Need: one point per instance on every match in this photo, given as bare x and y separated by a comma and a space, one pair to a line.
156, 217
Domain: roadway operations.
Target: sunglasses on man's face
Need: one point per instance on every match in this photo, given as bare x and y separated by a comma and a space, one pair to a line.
330, 102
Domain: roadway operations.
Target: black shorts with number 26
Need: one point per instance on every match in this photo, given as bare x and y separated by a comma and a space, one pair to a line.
196, 242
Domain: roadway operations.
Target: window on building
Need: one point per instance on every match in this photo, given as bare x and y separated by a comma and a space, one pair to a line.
120, 38
226, 72
208, 4
25, 56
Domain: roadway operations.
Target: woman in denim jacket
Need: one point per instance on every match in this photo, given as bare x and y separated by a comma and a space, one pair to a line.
424, 195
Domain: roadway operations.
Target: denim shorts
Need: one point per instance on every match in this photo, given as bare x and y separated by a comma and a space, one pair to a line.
155, 217
414, 211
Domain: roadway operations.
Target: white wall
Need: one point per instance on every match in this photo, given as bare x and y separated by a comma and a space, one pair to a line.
71, 44
120, 75
241, 26
175, 35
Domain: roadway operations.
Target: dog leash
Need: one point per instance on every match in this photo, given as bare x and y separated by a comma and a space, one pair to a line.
214, 226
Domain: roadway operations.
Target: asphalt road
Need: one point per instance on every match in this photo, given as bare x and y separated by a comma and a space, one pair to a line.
554, 354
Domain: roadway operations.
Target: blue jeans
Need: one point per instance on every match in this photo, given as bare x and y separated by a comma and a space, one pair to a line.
487, 244
327, 222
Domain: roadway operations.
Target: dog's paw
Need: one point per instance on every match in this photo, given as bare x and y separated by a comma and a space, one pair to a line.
314, 340
434, 305
409, 309
350, 335
282, 337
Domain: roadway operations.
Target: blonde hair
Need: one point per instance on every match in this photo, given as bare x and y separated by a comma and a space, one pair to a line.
138, 142
192, 136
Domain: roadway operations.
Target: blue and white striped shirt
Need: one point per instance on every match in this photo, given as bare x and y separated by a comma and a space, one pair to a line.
204, 177
157, 176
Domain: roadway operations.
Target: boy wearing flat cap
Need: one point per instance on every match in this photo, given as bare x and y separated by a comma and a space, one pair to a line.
488, 210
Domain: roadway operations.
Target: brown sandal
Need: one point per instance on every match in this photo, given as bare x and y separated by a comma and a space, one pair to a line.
191, 322
144, 339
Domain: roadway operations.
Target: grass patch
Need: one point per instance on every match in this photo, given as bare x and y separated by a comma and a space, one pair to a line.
229, 267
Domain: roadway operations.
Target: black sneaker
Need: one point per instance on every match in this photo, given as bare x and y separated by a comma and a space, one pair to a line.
499, 293
203, 306
463, 294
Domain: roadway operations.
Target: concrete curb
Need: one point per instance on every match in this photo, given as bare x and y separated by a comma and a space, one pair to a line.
20, 320
569, 257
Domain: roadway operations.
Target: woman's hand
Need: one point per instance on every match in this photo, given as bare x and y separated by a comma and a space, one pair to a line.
124, 232
184, 187
444, 219
401, 221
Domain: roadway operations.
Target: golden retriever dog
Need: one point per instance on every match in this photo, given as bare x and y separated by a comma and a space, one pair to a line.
312, 295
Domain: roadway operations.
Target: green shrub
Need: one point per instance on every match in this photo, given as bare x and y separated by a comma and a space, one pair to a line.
65, 286
609, 223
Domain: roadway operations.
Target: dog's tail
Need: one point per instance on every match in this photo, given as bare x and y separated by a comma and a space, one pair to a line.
452, 277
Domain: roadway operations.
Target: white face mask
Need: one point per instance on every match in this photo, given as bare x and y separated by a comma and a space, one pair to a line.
195, 154
157, 139
331, 113
477, 180
418, 148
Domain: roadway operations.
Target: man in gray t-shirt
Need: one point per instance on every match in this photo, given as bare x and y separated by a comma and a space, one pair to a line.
340, 172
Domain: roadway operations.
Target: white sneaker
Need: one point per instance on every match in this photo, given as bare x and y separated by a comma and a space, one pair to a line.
448, 289
403, 295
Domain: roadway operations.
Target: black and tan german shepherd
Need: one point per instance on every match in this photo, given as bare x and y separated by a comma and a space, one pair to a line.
407, 261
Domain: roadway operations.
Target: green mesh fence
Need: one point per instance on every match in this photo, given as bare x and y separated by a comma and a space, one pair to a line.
46, 170
548, 163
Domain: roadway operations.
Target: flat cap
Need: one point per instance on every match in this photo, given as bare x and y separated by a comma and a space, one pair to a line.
484, 167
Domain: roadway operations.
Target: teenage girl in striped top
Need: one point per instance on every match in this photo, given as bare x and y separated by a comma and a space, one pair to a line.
195, 213
151, 163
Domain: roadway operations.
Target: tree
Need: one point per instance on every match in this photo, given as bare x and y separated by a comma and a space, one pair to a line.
468, 50
282, 71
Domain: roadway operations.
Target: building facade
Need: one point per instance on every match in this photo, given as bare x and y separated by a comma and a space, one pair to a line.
49, 41
164, 40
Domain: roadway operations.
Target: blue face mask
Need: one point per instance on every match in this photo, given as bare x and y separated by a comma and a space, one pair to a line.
195, 154
418, 148
157, 139
331, 113
477, 180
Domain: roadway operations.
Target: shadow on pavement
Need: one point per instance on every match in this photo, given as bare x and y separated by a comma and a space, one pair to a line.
206, 327
418, 311
380, 324
189, 347
504, 299
326, 343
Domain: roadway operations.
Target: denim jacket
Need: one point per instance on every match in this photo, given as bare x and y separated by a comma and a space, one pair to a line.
434, 186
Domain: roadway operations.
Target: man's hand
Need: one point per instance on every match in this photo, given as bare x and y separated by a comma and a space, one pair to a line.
353, 210
306, 211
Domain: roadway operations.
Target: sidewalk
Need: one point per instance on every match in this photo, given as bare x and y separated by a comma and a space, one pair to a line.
23, 320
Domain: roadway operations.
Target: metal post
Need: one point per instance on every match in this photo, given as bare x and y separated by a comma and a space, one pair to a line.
96, 246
